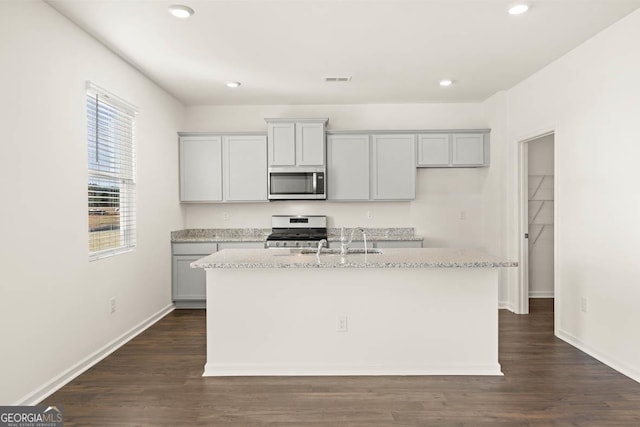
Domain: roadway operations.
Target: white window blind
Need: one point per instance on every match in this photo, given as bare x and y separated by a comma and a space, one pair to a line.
112, 173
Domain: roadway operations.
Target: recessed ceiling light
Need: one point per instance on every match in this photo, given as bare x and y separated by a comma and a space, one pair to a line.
518, 9
180, 11
446, 82
233, 84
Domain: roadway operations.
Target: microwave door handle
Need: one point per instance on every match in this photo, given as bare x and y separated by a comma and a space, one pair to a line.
315, 182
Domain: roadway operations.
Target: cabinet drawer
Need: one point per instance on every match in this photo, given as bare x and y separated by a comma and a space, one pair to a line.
241, 245
204, 248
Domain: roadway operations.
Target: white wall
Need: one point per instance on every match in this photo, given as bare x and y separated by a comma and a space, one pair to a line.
541, 215
591, 98
495, 234
55, 303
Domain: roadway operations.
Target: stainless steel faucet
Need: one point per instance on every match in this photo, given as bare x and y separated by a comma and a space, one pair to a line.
321, 243
344, 245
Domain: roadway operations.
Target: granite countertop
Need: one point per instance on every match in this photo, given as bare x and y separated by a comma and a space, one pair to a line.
260, 234
378, 234
220, 235
390, 258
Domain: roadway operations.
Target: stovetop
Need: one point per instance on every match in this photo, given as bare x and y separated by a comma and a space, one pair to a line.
297, 230
298, 234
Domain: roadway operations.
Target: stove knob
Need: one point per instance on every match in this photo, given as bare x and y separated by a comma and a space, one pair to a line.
297, 243
277, 243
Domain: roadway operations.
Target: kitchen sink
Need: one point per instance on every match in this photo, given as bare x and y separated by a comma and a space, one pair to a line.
337, 251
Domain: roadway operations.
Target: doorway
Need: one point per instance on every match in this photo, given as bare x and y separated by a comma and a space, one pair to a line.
538, 219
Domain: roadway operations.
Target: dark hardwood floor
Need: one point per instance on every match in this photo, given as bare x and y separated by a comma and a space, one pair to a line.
155, 380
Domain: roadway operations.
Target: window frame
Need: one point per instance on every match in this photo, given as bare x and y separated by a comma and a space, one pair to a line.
120, 170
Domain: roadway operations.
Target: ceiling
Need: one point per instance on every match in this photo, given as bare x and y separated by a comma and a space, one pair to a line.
396, 51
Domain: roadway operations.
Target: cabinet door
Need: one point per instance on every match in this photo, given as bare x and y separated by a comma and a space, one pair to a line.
468, 149
282, 144
348, 167
394, 167
189, 284
245, 168
310, 144
201, 169
433, 150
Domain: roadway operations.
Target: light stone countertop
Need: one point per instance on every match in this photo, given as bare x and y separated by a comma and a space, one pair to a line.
377, 234
220, 235
260, 234
390, 258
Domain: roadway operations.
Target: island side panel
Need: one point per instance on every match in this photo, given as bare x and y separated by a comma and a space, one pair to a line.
418, 321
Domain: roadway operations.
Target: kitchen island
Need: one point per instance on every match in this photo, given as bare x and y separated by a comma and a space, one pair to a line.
402, 312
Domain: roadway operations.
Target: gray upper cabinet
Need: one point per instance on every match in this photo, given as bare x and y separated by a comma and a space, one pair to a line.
453, 150
467, 149
201, 169
223, 168
393, 174
310, 144
434, 149
282, 144
348, 167
296, 142
245, 168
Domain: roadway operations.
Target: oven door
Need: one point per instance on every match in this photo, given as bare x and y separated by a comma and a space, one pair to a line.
296, 183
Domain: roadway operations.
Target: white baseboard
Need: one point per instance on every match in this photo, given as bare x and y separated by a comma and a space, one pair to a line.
506, 305
541, 294
251, 370
59, 381
603, 357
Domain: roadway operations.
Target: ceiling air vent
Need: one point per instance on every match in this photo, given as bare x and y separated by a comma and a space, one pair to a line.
337, 79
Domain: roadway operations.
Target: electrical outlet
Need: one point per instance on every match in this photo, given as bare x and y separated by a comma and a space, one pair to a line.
583, 305
463, 215
342, 324
112, 305
369, 215
225, 216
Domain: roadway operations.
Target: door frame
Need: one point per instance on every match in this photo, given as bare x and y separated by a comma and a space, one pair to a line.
522, 294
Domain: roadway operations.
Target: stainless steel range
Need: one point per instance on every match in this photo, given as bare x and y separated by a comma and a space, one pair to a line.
297, 231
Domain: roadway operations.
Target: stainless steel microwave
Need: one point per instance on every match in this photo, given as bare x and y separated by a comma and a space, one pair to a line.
297, 183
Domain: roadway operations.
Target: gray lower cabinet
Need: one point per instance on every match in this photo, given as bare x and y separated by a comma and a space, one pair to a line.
188, 285
241, 245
